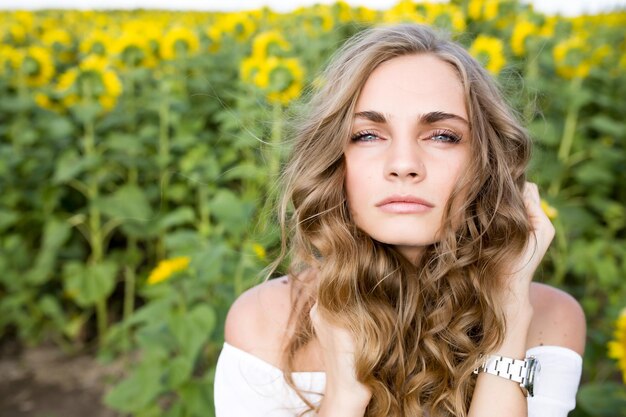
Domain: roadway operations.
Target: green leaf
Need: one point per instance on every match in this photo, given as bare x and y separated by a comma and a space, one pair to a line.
179, 371
127, 203
7, 218
184, 241
606, 399
57, 127
152, 312
124, 142
593, 173
70, 164
192, 329
208, 262
178, 217
229, 210
56, 233
246, 170
138, 391
156, 338
51, 308
91, 283
197, 398
608, 126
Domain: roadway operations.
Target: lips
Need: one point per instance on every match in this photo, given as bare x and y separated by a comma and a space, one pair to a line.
404, 204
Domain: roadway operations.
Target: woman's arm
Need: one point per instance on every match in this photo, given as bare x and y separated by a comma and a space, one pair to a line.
494, 394
344, 395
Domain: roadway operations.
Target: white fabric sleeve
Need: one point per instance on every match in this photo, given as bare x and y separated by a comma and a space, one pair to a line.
557, 382
246, 386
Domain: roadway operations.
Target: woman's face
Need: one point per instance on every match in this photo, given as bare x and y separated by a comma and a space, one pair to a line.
409, 146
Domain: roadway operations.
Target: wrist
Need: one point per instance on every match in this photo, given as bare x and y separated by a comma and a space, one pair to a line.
516, 334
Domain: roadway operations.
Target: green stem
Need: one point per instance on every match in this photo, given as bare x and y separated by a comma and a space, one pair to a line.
277, 131
560, 262
95, 218
129, 281
203, 208
531, 73
567, 140
95, 226
238, 278
101, 318
273, 157
22, 117
164, 157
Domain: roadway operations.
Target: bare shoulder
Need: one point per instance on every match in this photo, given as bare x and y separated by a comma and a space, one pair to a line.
558, 319
257, 320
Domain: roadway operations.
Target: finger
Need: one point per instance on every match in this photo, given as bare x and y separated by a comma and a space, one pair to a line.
531, 193
532, 201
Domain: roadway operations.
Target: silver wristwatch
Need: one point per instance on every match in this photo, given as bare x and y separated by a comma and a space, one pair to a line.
523, 372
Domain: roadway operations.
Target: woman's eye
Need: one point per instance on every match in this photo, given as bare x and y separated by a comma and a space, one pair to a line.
364, 137
445, 136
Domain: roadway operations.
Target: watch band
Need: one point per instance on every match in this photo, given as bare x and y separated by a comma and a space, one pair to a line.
521, 371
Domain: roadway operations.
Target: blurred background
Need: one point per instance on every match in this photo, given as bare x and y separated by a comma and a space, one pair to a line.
138, 155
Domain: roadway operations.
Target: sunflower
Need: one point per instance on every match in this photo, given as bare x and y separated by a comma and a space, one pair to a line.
168, 267
280, 78
550, 211
490, 51
66, 89
20, 26
37, 66
571, 58
485, 10
269, 43
10, 58
447, 16
522, 30
177, 42
60, 41
239, 26
133, 49
404, 11
316, 19
364, 14
92, 79
617, 346
344, 12
259, 251
56, 37
97, 42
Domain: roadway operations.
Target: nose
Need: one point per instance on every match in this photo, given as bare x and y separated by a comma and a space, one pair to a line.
404, 161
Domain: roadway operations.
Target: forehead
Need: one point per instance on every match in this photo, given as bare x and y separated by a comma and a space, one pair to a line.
418, 83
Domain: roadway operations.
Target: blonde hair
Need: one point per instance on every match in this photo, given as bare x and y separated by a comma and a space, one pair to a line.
418, 328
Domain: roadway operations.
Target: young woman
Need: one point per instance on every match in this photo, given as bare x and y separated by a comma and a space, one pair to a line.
413, 240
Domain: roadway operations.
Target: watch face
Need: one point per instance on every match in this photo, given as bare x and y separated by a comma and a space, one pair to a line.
533, 368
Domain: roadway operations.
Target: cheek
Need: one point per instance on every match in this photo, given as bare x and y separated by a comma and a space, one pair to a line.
357, 185
456, 177
352, 186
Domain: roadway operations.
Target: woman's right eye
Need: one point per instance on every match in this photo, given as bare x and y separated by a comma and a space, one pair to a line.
364, 136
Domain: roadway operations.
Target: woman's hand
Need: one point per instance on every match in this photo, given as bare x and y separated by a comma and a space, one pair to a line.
523, 268
344, 395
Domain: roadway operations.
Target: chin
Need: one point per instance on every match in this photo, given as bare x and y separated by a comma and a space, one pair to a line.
401, 240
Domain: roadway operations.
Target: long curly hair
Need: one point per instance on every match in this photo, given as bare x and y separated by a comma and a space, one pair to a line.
419, 329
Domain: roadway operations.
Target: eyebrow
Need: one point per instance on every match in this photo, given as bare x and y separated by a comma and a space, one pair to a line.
427, 118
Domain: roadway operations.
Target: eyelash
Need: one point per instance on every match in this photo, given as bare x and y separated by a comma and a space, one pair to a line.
452, 137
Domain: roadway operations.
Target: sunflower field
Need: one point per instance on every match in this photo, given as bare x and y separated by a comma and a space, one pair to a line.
139, 152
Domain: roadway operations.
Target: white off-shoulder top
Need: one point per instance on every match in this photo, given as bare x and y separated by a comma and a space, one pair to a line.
247, 386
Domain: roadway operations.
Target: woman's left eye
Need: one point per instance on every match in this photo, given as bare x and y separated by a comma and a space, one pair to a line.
445, 136
364, 136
